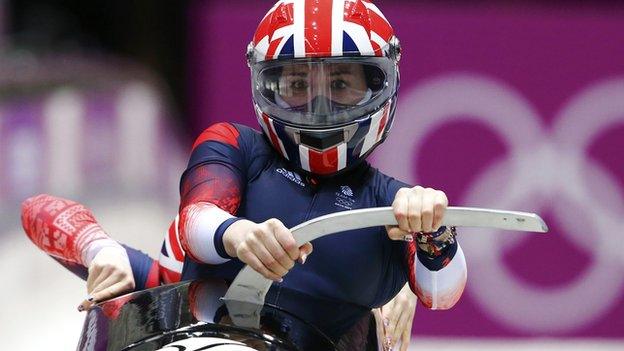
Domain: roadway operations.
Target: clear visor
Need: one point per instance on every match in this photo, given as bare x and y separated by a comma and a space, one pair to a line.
323, 92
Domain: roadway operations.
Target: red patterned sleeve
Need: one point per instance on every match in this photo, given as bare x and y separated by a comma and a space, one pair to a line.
62, 228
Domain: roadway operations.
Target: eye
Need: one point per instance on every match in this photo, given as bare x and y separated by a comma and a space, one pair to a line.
338, 84
299, 84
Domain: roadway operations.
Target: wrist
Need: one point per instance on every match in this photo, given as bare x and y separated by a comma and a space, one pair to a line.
433, 244
235, 234
95, 247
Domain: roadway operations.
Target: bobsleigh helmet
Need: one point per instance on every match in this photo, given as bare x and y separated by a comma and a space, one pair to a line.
324, 79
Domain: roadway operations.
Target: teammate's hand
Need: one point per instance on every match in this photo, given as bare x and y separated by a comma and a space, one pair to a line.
110, 275
417, 210
397, 316
268, 247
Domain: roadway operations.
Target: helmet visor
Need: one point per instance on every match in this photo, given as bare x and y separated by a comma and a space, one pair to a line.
322, 92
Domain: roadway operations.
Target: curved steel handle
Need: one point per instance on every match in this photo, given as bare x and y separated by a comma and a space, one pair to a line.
251, 287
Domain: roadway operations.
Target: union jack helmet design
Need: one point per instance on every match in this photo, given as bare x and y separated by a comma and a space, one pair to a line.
324, 79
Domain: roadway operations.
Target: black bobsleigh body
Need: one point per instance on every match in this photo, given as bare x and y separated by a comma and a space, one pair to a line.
193, 316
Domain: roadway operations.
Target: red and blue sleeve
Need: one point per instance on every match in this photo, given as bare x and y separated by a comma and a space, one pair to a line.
69, 233
210, 192
438, 278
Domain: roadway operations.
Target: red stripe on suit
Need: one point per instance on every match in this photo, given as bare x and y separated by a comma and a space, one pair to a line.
168, 276
174, 243
221, 132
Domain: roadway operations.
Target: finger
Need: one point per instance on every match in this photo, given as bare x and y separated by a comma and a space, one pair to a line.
393, 318
405, 339
109, 281
113, 279
377, 313
414, 205
395, 233
441, 203
401, 325
249, 258
385, 311
305, 250
86, 304
267, 260
407, 334
108, 289
385, 320
399, 207
105, 274
385, 323
285, 239
277, 251
428, 201
95, 277
112, 291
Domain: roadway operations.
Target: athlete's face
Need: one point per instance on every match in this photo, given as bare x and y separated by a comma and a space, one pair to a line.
343, 83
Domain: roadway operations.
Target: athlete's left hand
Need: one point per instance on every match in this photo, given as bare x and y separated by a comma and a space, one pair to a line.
417, 210
110, 275
397, 316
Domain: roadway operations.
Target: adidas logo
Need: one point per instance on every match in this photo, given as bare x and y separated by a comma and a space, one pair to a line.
292, 176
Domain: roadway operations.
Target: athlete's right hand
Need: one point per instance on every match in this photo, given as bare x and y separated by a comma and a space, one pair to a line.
268, 247
110, 275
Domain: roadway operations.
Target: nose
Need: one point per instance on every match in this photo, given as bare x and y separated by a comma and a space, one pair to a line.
321, 105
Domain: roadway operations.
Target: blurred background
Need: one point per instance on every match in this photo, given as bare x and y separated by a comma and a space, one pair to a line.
503, 104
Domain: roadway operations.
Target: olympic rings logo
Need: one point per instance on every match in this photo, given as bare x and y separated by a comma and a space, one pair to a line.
565, 173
